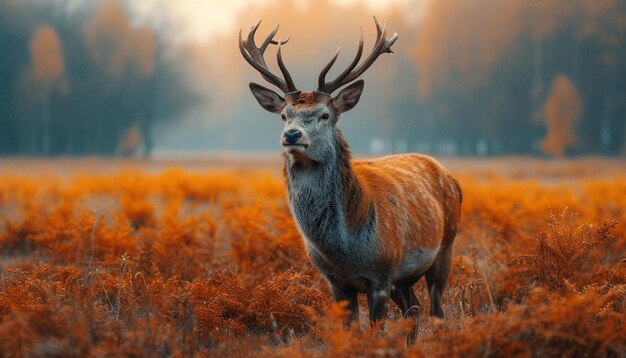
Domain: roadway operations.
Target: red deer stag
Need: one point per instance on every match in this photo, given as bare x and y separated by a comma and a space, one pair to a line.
372, 226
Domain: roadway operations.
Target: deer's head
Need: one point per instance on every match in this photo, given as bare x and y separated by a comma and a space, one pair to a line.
309, 118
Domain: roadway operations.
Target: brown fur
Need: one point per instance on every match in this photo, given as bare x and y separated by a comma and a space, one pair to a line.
304, 100
413, 195
413, 184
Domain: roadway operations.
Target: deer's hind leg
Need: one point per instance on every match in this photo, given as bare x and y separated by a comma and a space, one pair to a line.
437, 274
405, 298
436, 277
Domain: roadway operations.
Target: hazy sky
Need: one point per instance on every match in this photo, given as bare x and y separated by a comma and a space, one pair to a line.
198, 20
227, 116
206, 30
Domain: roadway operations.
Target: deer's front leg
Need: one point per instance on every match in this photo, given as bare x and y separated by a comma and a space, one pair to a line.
350, 295
341, 292
378, 299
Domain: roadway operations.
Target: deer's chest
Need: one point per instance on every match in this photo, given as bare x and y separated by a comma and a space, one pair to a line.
343, 273
339, 253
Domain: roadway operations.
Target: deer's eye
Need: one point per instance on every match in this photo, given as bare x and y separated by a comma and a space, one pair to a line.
325, 116
284, 117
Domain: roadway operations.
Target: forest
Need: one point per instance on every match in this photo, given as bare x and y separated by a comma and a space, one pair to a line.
482, 77
81, 83
533, 75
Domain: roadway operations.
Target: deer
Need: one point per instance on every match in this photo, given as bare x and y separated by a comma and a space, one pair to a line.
372, 226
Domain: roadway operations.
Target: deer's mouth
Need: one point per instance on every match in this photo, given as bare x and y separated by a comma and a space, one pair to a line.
295, 148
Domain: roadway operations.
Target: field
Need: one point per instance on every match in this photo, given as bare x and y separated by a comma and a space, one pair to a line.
109, 258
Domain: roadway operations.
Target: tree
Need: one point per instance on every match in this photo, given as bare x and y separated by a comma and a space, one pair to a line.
75, 81
47, 72
562, 112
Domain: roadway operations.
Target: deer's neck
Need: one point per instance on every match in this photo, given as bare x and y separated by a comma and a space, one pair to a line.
328, 201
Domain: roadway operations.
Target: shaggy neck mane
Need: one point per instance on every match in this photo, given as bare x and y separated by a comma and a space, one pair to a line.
327, 191
356, 202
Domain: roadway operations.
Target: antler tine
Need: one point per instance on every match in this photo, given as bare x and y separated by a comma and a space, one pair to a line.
390, 42
353, 72
379, 31
270, 38
346, 72
284, 41
254, 56
258, 63
279, 57
321, 82
253, 31
387, 43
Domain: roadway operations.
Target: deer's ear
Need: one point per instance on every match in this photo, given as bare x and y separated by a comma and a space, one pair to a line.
267, 98
348, 97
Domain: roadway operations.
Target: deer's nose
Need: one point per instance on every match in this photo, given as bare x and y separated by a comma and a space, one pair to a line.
292, 136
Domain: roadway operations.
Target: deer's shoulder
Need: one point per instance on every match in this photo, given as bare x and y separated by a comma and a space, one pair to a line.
398, 164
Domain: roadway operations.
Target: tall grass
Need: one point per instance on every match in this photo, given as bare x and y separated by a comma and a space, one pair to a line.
185, 264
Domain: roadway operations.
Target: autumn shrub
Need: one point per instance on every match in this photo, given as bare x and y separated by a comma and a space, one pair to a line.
561, 256
548, 324
181, 263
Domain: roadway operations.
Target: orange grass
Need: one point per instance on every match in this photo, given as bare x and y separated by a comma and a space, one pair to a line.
186, 264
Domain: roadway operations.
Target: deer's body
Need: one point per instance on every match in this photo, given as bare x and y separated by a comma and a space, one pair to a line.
375, 219
373, 226
368, 222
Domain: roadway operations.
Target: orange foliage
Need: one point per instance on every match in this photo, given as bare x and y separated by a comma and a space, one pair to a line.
563, 110
116, 45
562, 252
464, 38
459, 42
181, 263
48, 64
130, 141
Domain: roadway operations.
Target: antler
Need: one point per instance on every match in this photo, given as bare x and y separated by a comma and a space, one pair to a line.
351, 73
254, 56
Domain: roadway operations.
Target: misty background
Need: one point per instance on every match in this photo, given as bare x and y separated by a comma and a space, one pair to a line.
468, 77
